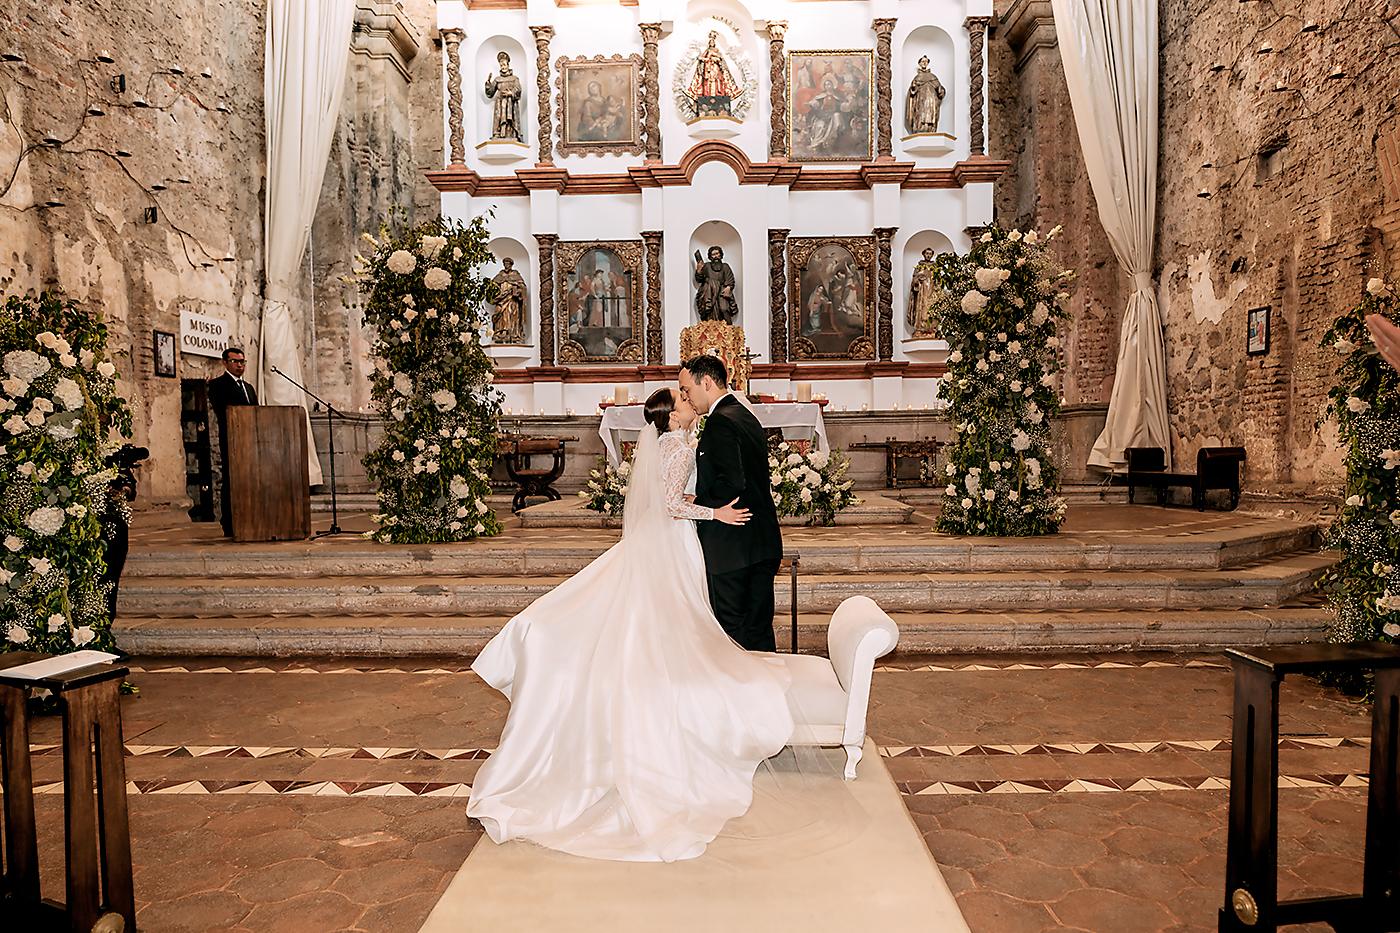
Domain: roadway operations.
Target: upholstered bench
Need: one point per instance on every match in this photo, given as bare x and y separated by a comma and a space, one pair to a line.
829, 697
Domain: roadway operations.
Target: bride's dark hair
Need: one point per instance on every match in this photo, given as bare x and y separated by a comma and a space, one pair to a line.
658, 409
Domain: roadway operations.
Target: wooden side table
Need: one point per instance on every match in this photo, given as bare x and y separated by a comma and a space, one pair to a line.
1251, 860
96, 833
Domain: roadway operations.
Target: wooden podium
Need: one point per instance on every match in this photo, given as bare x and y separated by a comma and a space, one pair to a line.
269, 480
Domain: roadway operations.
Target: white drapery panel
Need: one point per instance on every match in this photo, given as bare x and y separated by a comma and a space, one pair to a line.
308, 44
1109, 50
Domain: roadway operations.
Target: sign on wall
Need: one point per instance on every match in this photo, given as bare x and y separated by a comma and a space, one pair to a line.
202, 334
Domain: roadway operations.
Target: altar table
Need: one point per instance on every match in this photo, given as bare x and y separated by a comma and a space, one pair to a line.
798, 420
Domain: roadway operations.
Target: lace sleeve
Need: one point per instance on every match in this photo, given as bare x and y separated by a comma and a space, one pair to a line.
677, 460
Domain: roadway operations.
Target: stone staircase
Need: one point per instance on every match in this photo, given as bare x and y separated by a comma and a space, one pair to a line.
1243, 585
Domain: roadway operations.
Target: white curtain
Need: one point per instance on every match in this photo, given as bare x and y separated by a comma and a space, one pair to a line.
308, 44
1109, 49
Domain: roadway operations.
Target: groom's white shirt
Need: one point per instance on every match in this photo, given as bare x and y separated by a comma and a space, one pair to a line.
717, 401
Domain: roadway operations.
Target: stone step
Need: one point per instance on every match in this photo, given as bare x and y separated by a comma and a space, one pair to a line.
459, 635
873, 509
822, 550
1270, 583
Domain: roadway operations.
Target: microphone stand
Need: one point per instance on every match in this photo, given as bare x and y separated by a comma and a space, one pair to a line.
335, 528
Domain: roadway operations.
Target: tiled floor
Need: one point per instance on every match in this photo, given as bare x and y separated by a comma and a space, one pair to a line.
1056, 792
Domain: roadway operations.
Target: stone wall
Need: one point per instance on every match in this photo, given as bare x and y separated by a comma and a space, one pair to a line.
203, 250
1279, 184
1032, 125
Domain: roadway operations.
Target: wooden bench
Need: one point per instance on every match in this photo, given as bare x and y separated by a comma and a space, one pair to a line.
96, 833
1216, 468
1251, 853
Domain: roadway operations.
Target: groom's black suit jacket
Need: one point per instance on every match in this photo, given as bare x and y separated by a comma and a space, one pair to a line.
732, 461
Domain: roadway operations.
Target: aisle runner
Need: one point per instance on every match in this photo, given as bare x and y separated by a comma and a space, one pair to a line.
814, 853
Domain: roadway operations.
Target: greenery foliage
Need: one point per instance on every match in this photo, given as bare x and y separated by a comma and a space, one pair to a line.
432, 381
809, 483
999, 307
60, 417
606, 489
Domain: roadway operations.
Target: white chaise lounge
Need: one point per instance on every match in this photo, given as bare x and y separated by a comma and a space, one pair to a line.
829, 697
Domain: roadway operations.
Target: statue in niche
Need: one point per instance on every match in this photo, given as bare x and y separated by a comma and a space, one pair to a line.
922, 289
714, 288
924, 103
504, 90
508, 320
712, 87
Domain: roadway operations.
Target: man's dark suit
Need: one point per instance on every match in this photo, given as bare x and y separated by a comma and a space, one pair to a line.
223, 392
740, 560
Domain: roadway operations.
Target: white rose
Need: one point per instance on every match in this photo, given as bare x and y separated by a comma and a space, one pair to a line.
433, 245
1032, 238
13, 543
35, 417
444, 399
398, 456
15, 386
437, 279
1040, 314
974, 302
1358, 406
1354, 500
955, 357
989, 494
17, 634
1047, 380
68, 393
83, 634
1390, 459
432, 466
87, 357
982, 366
1377, 287
480, 529
1343, 346
16, 425
402, 262
996, 466
951, 490
1020, 441
1391, 630
1014, 236
106, 369
989, 280
45, 521
56, 622
1052, 341
966, 503
455, 526
67, 360
40, 565
1015, 385
402, 384
481, 507
819, 459
805, 495
77, 510
1013, 495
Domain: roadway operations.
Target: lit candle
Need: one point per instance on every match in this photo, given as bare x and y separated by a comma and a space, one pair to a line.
620, 395
804, 391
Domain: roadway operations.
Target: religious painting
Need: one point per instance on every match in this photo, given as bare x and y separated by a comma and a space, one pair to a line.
598, 284
1257, 335
830, 106
599, 105
832, 297
163, 346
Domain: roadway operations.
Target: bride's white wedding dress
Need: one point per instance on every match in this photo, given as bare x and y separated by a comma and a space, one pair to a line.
636, 723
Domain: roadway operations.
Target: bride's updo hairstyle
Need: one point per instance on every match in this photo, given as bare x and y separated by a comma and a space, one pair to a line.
658, 409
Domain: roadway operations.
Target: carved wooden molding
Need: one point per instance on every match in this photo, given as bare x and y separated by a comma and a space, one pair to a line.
656, 335
777, 294
546, 125
651, 90
787, 174
547, 242
568, 253
614, 375
884, 237
862, 250
777, 95
976, 79
884, 109
452, 44
634, 109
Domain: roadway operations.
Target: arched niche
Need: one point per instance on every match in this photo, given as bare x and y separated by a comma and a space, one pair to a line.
486, 64
503, 248
934, 42
909, 257
721, 234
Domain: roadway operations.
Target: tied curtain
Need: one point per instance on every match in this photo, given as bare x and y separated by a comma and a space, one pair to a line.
1109, 50
308, 45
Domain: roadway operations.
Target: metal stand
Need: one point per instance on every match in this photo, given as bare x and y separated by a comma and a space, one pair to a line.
335, 528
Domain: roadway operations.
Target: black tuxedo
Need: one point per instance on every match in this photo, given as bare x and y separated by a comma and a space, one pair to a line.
225, 391
740, 560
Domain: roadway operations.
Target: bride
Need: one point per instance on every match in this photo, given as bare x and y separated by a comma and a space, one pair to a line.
636, 723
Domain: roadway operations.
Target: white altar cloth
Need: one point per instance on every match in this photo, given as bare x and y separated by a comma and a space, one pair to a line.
799, 420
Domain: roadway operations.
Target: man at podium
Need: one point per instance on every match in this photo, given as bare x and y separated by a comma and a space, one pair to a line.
225, 390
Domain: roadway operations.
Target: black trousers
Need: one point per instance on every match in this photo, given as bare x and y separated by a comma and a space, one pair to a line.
743, 603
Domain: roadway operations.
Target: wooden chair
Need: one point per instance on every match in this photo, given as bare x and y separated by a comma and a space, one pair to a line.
1217, 468
534, 482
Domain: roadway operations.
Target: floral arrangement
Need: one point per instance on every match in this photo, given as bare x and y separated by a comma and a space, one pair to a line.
432, 381
1364, 584
606, 489
809, 483
60, 417
999, 307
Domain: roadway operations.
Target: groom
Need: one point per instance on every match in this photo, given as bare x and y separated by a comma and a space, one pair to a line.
732, 461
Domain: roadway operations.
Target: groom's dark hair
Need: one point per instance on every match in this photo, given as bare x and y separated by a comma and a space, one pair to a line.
658, 409
707, 365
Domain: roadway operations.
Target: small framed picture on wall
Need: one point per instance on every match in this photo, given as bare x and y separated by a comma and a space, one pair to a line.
164, 344
1257, 337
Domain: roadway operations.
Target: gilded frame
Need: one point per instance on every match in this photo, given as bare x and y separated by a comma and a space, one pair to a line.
829, 341
800, 97
572, 72
577, 347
